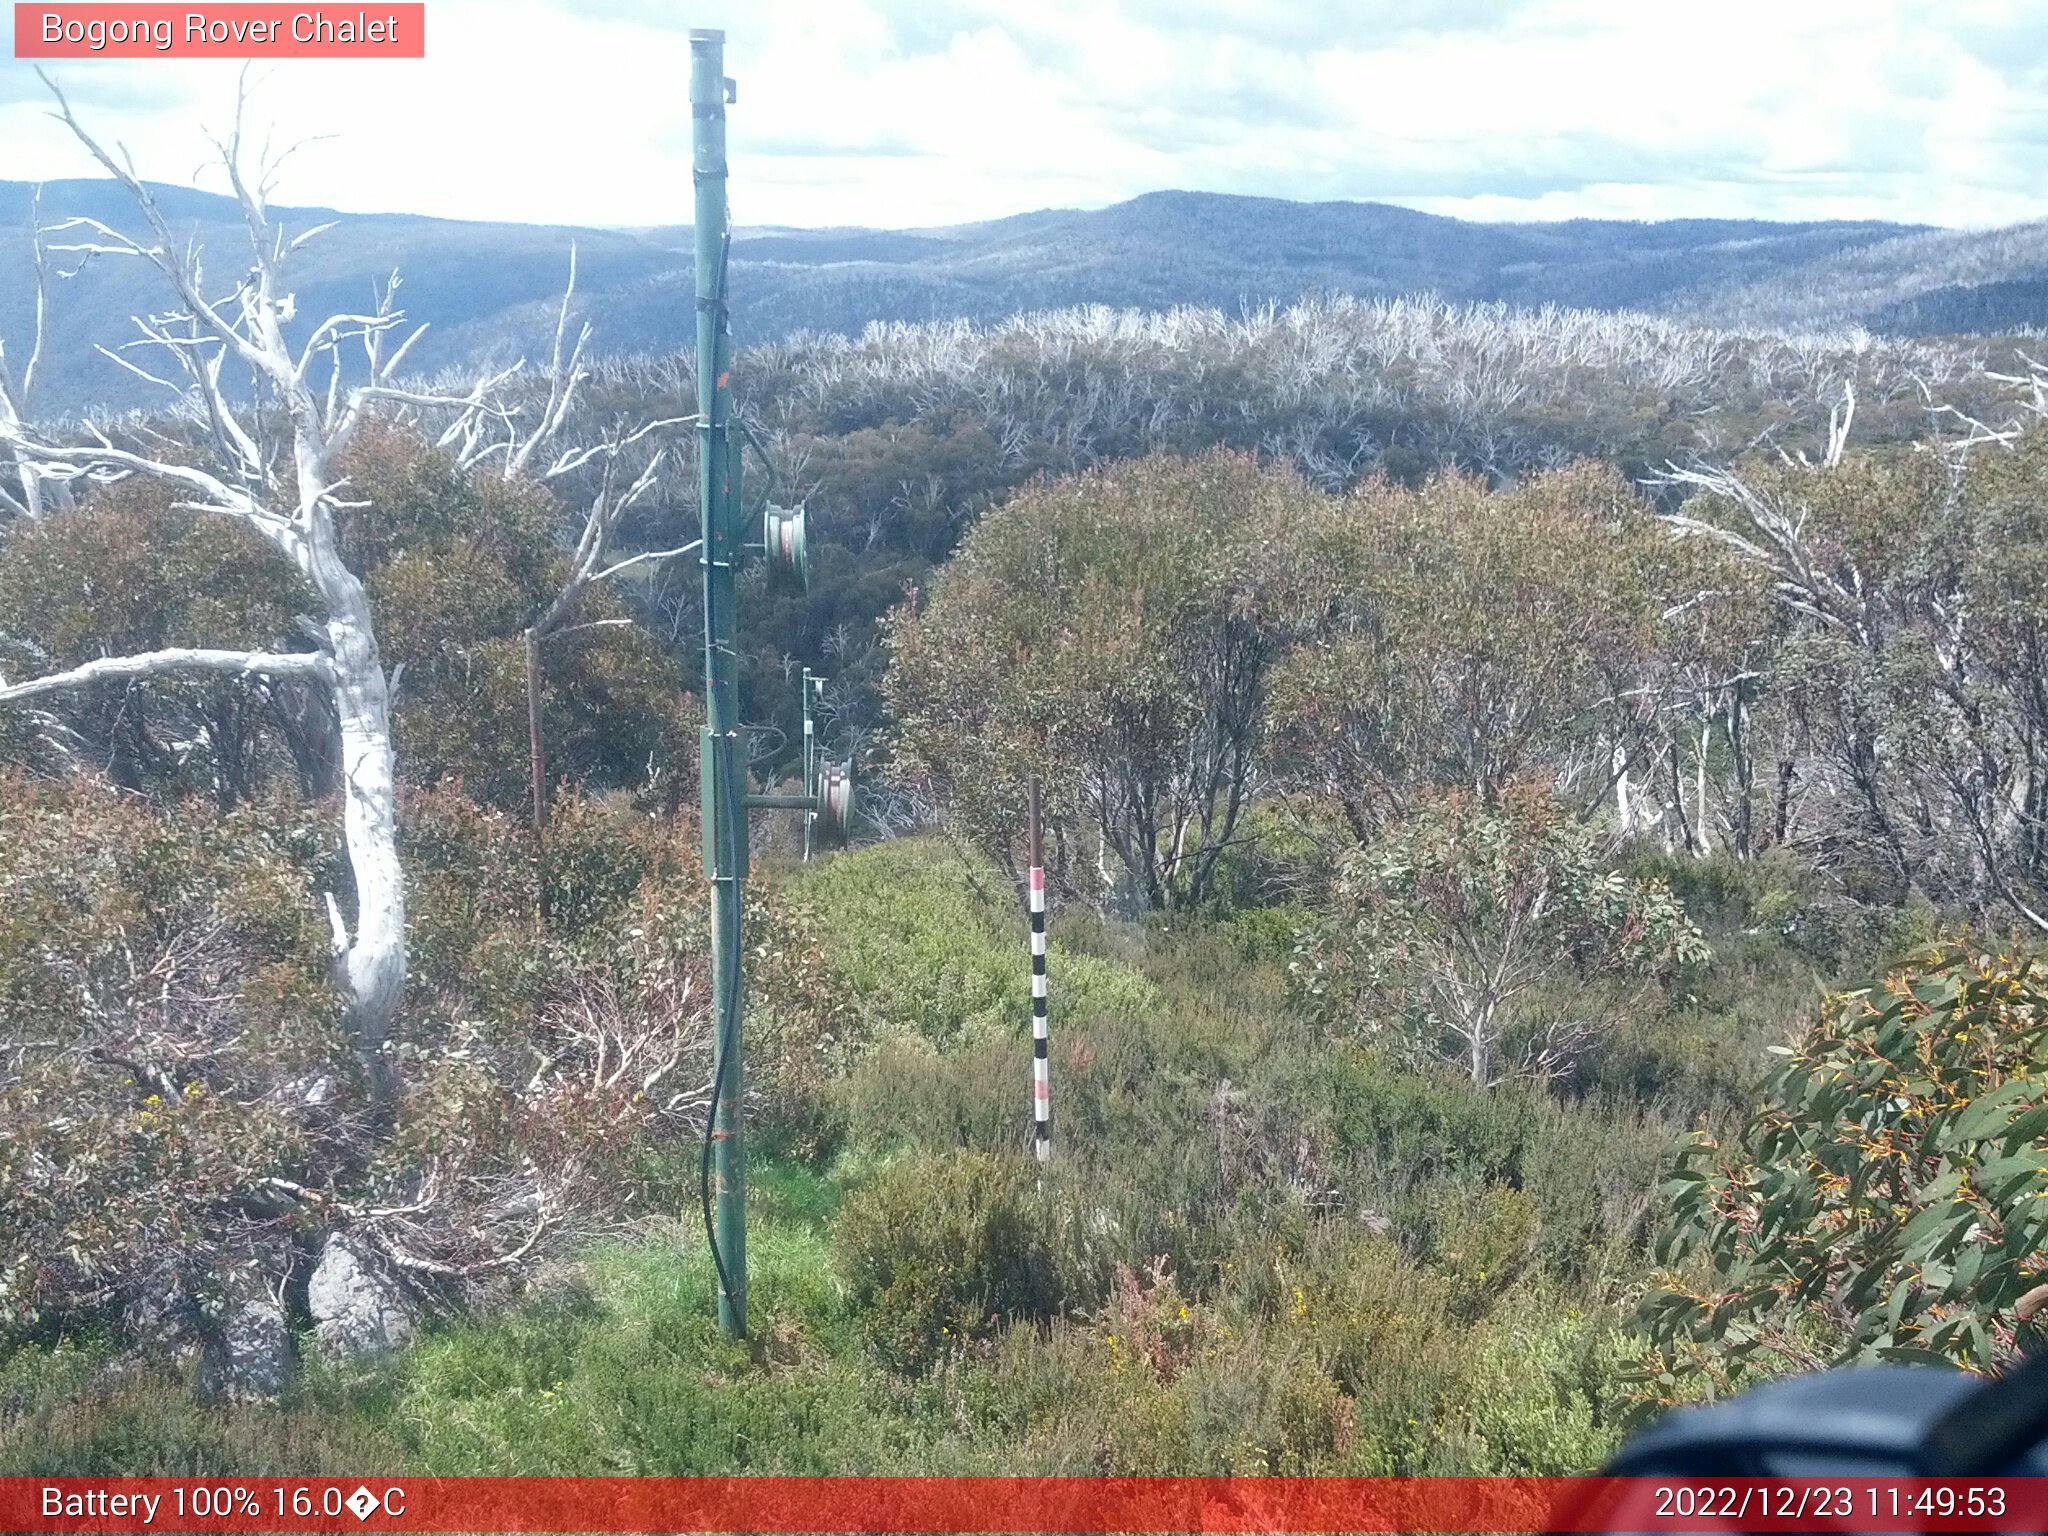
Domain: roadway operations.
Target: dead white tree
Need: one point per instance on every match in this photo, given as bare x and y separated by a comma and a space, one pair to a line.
17, 394
285, 489
1965, 793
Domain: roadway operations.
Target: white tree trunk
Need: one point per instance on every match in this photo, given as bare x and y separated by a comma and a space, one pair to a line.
1700, 813
1479, 1041
372, 966
17, 396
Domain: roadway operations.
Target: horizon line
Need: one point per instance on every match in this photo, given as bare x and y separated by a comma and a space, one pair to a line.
628, 228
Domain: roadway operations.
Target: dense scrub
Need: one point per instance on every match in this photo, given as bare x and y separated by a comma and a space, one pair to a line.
1260, 1248
186, 1124
1839, 659
1254, 1252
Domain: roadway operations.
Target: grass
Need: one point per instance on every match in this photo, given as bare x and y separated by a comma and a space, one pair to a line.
925, 944
627, 1372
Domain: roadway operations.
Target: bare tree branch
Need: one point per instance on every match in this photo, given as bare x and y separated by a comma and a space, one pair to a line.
114, 669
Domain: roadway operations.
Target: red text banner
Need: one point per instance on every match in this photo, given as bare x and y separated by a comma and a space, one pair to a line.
230, 31
993, 1504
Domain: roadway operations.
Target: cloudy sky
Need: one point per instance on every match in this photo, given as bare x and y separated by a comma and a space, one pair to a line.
902, 112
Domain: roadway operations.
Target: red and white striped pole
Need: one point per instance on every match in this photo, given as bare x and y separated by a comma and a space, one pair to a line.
1041, 1066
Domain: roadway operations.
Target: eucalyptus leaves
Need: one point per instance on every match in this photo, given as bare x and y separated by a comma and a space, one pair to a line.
1889, 1202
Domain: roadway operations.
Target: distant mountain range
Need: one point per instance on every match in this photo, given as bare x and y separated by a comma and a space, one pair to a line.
490, 289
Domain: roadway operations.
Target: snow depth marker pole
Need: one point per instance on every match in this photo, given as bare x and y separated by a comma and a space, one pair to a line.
1041, 1066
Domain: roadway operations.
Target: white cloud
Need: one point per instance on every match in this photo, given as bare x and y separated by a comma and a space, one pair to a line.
899, 112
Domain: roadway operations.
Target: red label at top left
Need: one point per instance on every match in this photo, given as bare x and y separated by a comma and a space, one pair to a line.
236, 31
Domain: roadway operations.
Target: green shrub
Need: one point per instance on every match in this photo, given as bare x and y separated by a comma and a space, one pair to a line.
1536, 1393
1382, 1329
1480, 1242
906, 1093
1258, 1405
1400, 1129
1271, 934
75, 1410
1591, 1170
942, 1250
1886, 1203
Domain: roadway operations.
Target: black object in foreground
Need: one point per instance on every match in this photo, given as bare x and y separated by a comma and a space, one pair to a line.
1883, 1421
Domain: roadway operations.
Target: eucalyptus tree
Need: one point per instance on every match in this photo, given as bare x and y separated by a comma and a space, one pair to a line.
1469, 639
1911, 594
1488, 934
1886, 1202
1116, 633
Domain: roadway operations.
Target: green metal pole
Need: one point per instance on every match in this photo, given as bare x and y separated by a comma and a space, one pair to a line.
723, 798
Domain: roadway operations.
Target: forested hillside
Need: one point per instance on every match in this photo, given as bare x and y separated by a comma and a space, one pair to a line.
1935, 282
897, 440
1511, 775
489, 288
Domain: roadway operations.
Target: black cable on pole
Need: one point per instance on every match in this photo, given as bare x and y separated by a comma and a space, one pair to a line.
727, 1025
724, 1046
728, 1028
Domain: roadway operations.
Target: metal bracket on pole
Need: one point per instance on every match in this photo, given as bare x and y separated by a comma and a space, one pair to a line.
782, 802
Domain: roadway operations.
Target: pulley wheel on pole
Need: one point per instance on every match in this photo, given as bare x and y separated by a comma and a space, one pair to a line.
834, 816
783, 536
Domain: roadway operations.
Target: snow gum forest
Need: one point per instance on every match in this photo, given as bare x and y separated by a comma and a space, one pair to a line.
1546, 817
